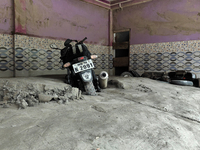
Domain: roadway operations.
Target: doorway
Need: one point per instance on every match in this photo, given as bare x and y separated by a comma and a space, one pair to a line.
121, 45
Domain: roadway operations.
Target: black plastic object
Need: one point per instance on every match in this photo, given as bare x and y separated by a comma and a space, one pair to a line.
182, 82
67, 42
182, 75
153, 75
196, 82
134, 73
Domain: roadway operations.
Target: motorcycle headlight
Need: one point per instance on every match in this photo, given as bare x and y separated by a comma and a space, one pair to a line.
87, 76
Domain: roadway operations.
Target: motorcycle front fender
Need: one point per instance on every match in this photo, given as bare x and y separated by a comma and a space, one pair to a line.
86, 75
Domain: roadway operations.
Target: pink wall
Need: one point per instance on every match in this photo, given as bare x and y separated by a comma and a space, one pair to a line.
6, 17
151, 22
62, 19
160, 21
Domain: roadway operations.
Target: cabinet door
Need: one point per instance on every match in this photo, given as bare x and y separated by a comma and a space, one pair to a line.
121, 46
120, 62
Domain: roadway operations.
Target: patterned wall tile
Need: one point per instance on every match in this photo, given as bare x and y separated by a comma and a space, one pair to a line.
177, 46
155, 47
6, 59
162, 47
34, 54
193, 45
6, 40
198, 45
184, 46
166, 61
148, 48
24, 41
111, 54
169, 56
136, 47
142, 48
169, 46
6, 55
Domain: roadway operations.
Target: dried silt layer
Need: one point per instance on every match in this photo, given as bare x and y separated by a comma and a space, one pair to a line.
25, 94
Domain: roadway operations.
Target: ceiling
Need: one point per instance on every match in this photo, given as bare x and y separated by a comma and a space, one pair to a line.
116, 4
114, 1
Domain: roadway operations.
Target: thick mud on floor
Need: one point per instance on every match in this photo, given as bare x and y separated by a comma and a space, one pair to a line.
131, 114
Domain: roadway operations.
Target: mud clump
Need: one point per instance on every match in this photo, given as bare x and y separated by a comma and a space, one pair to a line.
22, 98
116, 84
143, 88
28, 95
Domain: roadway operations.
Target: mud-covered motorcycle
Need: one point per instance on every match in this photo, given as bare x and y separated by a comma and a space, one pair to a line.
80, 71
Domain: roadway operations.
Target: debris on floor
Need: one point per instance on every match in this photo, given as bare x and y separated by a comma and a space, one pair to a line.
25, 94
146, 115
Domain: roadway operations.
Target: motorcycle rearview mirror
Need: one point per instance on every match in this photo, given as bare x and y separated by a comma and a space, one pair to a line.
53, 46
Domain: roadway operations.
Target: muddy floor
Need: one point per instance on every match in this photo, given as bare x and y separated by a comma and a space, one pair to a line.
131, 114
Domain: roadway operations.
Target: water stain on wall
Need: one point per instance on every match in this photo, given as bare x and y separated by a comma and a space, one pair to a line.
72, 23
31, 2
169, 18
175, 23
40, 17
26, 12
61, 19
20, 16
5, 14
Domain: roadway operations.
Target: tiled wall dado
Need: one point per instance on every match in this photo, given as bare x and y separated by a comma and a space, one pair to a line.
33, 56
6, 55
104, 61
167, 56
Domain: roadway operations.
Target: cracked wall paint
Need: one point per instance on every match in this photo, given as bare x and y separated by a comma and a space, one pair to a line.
62, 19
6, 18
160, 21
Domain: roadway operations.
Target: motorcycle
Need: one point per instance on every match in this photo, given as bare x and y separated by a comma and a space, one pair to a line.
81, 70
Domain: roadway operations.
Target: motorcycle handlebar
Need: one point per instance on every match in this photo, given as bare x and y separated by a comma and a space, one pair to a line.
81, 42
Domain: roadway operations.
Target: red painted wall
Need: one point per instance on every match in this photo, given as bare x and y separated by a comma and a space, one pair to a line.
160, 21
62, 19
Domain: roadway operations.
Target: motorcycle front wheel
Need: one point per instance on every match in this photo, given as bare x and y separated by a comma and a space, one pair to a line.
89, 88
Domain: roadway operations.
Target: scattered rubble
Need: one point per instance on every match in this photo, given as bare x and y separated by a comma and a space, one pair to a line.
28, 95
143, 88
45, 98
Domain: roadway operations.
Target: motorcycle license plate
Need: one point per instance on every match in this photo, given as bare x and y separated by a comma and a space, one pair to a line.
85, 65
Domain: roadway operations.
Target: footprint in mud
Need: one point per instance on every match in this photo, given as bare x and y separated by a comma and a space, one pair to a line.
143, 88
98, 108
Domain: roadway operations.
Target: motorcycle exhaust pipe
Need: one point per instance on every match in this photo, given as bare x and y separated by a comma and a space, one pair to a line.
103, 79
